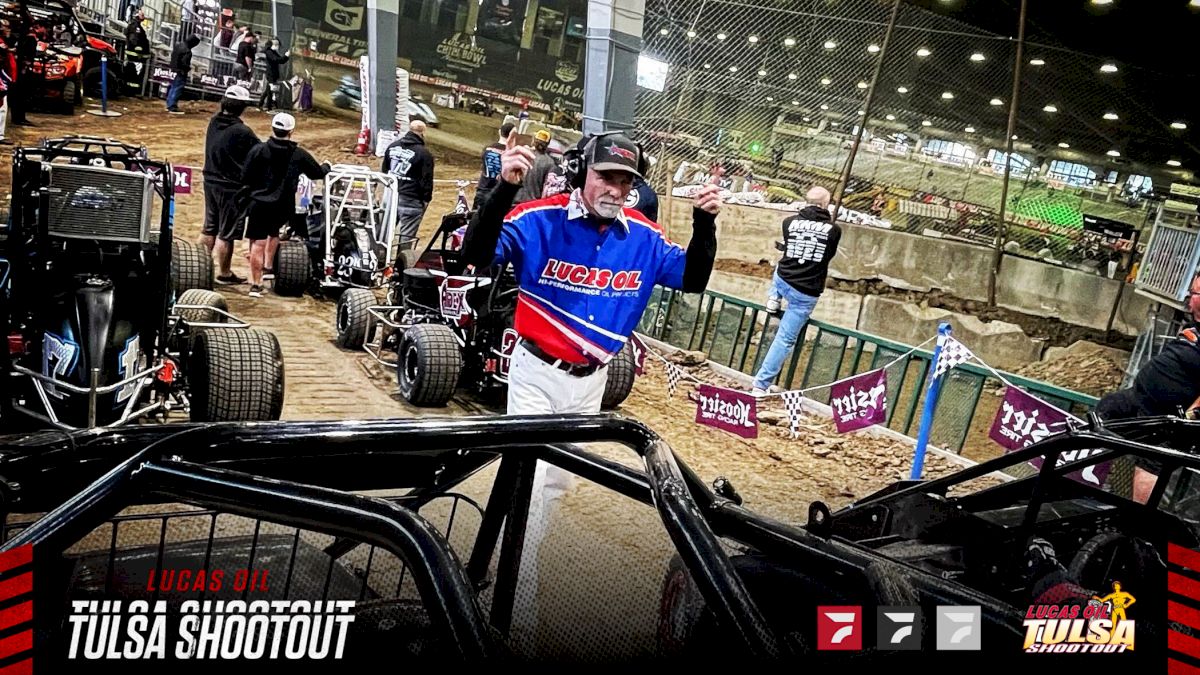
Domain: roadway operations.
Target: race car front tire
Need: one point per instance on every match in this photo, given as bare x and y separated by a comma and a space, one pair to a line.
622, 371
352, 316
428, 364
236, 375
293, 269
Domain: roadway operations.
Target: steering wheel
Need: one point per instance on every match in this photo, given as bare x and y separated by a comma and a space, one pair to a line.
1113, 556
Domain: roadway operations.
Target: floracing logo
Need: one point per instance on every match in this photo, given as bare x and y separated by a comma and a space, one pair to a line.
1100, 626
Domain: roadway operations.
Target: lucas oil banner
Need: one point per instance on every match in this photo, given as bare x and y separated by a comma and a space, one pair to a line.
860, 401
728, 410
1023, 420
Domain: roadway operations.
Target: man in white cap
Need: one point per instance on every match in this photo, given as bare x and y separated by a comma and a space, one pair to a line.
272, 173
226, 146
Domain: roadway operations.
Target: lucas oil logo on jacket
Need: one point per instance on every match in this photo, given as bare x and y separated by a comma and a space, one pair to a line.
591, 277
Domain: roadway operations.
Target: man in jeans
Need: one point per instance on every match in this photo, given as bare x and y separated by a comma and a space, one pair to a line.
810, 241
181, 65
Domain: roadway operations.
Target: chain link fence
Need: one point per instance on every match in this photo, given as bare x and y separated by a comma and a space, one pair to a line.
774, 93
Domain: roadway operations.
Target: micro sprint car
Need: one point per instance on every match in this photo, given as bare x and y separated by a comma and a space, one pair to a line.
108, 319
352, 235
448, 326
67, 63
733, 585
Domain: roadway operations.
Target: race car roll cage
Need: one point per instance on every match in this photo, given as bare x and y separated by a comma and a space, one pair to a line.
132, 158
294, 474
381, 215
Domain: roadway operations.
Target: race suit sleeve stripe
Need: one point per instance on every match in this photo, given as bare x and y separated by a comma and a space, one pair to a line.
565, 314
537, 324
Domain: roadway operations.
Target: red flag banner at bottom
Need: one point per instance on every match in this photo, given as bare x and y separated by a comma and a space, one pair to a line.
639, 354
860, 401
728, 410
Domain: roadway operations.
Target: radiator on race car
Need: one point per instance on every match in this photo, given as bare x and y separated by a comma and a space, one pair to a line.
95, 202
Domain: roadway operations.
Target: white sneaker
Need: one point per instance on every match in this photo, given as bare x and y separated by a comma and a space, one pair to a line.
758, 393
772, 305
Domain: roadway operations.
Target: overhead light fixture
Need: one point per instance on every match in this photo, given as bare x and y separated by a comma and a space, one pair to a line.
792, 76
1050, 108
826, 81
1113, 153
1111, 116
834, 124
807, 119
873, 48
795, 102
721, 36
947, 95
762, 73
1194, 3
1014, 137
862, 85
862, 112
902, 90
1102, 2
969, 130
789, 42
691, 33
824, 106
996, 101
829, 44
664, 31
977, 57
1179, 125
1108, 68
891, 117
733, 69
770, 98
708, 65
1064, 146
926, 123
1174, 162
923, 52
1037, 62
753, 39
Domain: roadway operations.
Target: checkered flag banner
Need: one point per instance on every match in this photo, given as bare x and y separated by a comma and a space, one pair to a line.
953, 353
674, 375
795, 407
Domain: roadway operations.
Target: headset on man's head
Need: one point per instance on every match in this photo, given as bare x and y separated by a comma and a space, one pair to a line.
575, 163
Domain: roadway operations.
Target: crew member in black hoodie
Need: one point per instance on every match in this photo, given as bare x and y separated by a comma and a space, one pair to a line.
181, 65
810, 241
410, 161
226, 146
272, 174
274, 60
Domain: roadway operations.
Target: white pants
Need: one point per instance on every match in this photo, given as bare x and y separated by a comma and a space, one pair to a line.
538, 388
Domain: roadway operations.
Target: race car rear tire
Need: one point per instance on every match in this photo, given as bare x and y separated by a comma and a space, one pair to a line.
198, 296
236, 375
622, 371
191, 266
351, 317
428, 364
292, 268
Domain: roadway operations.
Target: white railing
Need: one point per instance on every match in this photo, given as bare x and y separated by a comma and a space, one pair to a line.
1169, 262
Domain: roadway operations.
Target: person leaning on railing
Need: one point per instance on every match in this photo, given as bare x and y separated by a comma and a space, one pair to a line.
1167, 385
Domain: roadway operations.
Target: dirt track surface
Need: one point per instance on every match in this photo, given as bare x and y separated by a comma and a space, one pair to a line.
599, 539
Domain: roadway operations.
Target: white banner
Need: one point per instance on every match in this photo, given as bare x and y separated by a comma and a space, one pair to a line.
402, 94
364, 83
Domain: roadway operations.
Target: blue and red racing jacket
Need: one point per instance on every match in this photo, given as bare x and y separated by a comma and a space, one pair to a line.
582, 291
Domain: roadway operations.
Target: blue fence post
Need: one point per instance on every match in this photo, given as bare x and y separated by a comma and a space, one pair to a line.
104, 83
931, 399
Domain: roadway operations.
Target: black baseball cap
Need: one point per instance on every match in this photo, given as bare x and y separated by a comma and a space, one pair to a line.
615, 152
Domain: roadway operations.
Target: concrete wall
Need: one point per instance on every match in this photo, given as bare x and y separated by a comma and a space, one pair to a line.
914, 262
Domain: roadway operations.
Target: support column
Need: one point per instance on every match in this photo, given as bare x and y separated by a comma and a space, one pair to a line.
383, 30
282, 24
614, 41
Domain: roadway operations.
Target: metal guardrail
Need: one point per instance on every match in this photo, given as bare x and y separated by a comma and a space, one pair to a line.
1171, 256
737, 333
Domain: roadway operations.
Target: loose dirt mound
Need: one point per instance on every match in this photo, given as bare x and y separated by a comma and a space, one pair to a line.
1083, 367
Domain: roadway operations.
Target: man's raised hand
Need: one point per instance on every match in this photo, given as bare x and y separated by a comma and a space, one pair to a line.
516, 160
709, 199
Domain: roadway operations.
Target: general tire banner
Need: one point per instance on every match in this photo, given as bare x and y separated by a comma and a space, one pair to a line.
860, 401
1023, 420
728, 410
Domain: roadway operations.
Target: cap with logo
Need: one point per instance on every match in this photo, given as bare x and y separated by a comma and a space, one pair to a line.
542, 135
284, 122
237, 92
615, 153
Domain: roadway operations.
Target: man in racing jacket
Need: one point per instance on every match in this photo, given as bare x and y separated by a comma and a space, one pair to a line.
586, 267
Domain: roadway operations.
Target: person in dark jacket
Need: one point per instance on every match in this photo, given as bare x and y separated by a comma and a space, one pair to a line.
246, 51
811, 240
274, 61
181, 65
411, 162
489, 174
136, 40
226, 146
272, 174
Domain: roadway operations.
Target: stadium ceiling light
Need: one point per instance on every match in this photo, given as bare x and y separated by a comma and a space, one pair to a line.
807, 119
691, 33
891, 117
1173, 162
708, 65
862, 112
795, 102
1179, 125
721, 36
753, 39
947, 95
1111, 116
770, 98
926, 123
1050, 108
923, 52
789, 42
834, 124
1064, 146
826, 81
977, 57
829, 44
1113, 153
862, 85
969, 130
733, 69
824, 106
1194, 3
664, 31
1102, 2
902, 90
1037, 62
1108, 68
996, 101
873, 48
792, 76
762, 73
